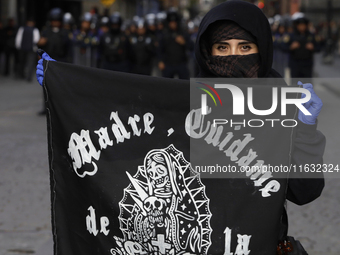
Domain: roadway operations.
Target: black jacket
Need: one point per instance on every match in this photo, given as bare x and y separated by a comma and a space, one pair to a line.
309, 143
171, 52
302, 53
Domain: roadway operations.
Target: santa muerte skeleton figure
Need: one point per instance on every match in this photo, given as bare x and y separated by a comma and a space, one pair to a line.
164, 210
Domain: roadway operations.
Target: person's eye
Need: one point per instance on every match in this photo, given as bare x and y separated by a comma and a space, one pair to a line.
246, 47
222, 47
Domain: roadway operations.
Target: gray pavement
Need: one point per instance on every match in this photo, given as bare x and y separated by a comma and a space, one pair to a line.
24, 183
317, 225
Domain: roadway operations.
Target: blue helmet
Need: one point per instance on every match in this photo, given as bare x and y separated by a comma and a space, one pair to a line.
68, 18
116, 19
56, 14
87, 17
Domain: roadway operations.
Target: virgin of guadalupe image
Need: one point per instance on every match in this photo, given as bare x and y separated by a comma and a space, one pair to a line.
164, 210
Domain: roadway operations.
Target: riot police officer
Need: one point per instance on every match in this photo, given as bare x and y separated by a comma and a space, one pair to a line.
85, 43
160, 20
68, 25
193, 32
152, 32
301, 45
173, 48
54, 39
114, 46
68, 21
143, 50
103, 26
132, 27
150, 20
280, 57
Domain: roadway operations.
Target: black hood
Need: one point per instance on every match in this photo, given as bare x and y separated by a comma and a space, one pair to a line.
249, 17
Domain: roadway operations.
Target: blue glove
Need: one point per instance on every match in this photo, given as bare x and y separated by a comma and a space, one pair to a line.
314, 105
40, 67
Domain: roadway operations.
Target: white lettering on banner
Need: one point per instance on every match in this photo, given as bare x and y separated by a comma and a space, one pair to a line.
272, 186
82, 150
104, 139
133, 123
104, 223
242, 243
148, 119
119, 129
237, 146
91, 223
227, 242
194, 127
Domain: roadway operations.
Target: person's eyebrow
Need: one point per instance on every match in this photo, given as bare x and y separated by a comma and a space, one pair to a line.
245, 42
226, 43
240, 43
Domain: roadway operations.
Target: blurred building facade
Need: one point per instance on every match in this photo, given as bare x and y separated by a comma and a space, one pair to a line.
316, 10
320, 10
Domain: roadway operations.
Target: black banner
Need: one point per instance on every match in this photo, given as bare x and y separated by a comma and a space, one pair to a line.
121, 179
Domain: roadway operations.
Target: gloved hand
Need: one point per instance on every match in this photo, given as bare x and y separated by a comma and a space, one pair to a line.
40, 67
314, 105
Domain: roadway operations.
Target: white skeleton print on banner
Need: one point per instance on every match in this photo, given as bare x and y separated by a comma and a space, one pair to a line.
165, 209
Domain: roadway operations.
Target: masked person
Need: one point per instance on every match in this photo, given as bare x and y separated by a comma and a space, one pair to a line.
235, 41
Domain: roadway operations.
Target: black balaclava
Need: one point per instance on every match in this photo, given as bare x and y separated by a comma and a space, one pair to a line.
252, 21
235, 66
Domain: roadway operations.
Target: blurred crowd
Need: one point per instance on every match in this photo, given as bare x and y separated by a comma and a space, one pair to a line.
158, 44
296, 40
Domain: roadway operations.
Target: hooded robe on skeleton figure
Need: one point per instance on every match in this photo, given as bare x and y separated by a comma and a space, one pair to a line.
169, 201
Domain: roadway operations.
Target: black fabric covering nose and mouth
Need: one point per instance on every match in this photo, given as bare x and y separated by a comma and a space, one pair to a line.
233, 66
